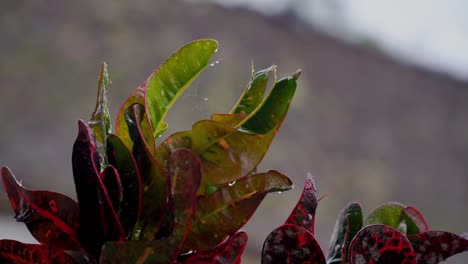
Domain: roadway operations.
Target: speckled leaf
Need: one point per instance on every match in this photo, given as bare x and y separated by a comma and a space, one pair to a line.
154, 180
100, 118
14, 252
52, 218
381, 244
303, 214
98, 221
111, 179
291, 244
404, 218
254, 92
347, 226
227, 209
228, 252
435, 246
159, 92
227, 153
132, 190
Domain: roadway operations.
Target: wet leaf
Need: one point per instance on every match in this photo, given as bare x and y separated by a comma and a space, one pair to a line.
154, 181
291, 244
381, 244
14, 252
404, 218
98, 221
227, 209
435, 246
100, 118
254, 92
228, 252
303, 214
347, 226
52, 218
132, 190
162, 88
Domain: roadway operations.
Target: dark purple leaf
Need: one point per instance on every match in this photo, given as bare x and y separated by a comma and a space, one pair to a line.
111, 179
14, 252
98, 220
303, 214
132, 190
154, 180
347, 226
52, 218
381, 244
229, 252
291, 244
434, 246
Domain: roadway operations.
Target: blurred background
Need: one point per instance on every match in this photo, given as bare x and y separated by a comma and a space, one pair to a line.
380, 114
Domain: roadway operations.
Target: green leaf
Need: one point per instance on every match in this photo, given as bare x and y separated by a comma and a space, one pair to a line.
100, 118
16, 252
229, 208
254, 92
404, 218
154, 181
160, 91
122, 159
347, 226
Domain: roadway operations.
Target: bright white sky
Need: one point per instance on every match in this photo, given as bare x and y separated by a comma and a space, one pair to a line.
432, 33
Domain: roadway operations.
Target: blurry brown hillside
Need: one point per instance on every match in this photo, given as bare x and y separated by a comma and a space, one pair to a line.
369, 128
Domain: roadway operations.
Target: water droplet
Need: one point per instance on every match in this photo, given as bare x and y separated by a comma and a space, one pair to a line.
280, 192
232, 183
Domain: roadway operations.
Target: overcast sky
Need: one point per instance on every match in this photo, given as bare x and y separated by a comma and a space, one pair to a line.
432, 33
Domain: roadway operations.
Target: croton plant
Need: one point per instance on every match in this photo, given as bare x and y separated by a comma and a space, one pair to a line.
184, 199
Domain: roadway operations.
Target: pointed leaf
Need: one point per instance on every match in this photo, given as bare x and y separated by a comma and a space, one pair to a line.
406, 219
154, 180
100, 118
435, 246
111, 179
229, 252
12, 251
254, 92
98, 220
303, 214
227, 209
132, 190
347, 226
162, 88
52, 218
291, 244
381, 244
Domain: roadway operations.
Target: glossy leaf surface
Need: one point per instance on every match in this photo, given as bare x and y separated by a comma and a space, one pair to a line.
404, 218
111, 180
100, 118
98, 221
435, 246
381, 244
347, 226
132, 190
291, 244
303, 214
227, 209
155, 184
14, 252
229, 252
52, 218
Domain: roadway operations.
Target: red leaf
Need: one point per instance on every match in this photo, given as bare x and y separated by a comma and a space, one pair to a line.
120, 157
228, 252
303, 214
52, 218
98, 219
417, 218
381, 244
290, 244
111, 179
435, 246
15, 252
